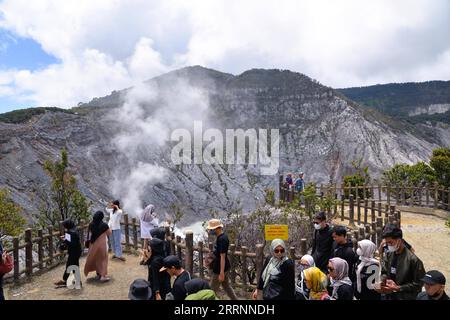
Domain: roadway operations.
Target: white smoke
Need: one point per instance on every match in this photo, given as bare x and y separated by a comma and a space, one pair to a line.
145, 122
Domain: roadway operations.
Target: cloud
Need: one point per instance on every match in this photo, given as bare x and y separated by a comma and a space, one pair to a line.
108, 45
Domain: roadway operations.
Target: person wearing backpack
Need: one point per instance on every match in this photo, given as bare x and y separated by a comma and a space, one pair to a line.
277, 281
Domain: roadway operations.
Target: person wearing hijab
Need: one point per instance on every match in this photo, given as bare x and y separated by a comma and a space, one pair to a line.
277, 280
316, 281
341, 283
301, 291
160, 281
366, 269
71, 241
160, 233
199, 289
97, 258
149, 221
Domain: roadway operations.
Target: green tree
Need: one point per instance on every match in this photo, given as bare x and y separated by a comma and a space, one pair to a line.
404, 175
11, 222
440, 162
66, 201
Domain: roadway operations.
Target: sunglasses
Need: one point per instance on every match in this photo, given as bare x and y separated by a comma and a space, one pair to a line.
278, 250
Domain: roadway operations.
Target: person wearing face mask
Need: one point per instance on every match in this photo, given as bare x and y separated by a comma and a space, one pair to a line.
402, 270
278, 276
434, 283
322, 245
340, 282
301, 290
220, 264
368, 266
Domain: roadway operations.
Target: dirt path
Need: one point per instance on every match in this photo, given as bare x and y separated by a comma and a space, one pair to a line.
122, 275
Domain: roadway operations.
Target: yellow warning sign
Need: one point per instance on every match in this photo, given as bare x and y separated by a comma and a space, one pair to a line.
276, 231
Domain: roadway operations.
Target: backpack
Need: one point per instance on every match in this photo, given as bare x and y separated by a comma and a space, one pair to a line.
7, 264
274, 288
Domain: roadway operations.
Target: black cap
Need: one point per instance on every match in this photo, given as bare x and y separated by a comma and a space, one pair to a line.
169, 262
320, 215
140, 290
392, 231
434, 277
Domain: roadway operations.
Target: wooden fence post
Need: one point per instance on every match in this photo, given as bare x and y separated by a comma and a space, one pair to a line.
259, 260
179, 254
388, 194
16, 258
172, 244
379, 210
435, 195
200, 260
379, 192
366, 208
303, 246
367, 233
127, 232
358, 208
81, 232
50, 246
292, 253
335, 213
28, 253
373, 232
189, 258
427, 193
379, 230
372, 211
40, 243
342, 207
281, 191
135, 236
352, 212
232, 257
244, 267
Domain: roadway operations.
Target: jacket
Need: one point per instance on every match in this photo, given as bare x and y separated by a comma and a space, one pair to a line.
410, 270
322, 247
287, 279
206, 294
345, 251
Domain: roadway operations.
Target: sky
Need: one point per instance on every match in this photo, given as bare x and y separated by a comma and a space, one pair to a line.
60, 53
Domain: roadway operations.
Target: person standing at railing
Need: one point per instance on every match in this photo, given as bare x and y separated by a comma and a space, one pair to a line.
289, 181
71, 242
220, 263
160, 281
115, 216
300, 183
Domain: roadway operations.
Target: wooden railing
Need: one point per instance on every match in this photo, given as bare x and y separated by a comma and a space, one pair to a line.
433, 196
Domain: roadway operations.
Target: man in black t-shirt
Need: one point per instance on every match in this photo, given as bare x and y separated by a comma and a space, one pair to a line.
172, 265
221, 264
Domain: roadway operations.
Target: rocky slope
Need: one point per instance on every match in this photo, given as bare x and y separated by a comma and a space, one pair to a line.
117, 143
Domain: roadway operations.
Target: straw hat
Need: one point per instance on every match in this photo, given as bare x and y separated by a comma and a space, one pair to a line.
214, 224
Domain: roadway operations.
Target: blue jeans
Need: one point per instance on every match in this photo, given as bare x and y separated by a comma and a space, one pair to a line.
115, 242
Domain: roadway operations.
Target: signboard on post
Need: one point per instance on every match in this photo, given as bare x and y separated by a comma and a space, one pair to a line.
276, 231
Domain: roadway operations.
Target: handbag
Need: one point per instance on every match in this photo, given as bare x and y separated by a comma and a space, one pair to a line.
7, 264
274, 288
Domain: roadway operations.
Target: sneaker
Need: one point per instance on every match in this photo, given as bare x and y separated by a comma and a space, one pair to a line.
60, 283
105, 279
113, 257
121, 258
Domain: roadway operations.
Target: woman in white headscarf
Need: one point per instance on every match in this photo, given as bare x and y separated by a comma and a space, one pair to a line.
277, 280
369, 267
148, 221
341, 283
301, 290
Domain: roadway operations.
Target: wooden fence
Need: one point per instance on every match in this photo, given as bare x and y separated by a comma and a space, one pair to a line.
433, 196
